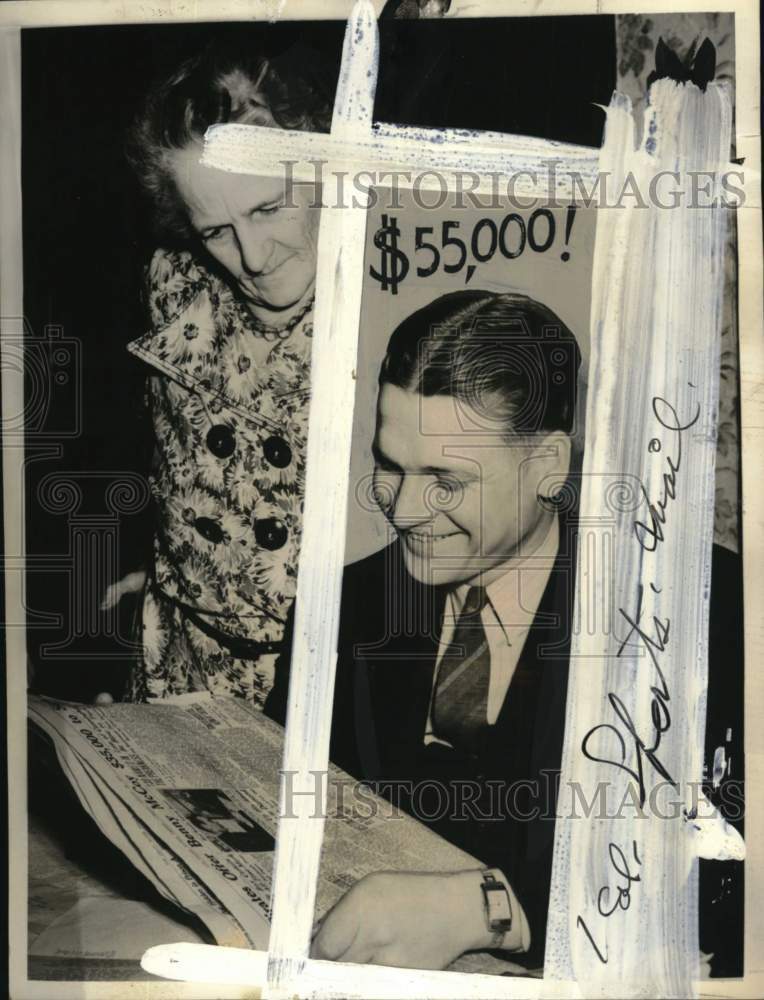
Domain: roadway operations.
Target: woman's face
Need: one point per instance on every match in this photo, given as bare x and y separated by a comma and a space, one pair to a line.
268, 249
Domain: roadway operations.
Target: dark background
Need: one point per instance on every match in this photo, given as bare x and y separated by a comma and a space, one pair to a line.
87, 237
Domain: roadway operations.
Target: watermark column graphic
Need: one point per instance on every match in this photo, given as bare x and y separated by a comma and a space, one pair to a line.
51, 415
91, 561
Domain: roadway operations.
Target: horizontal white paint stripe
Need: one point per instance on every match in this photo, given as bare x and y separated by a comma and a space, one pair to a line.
54, 12
235, 966
227, 968
389, 150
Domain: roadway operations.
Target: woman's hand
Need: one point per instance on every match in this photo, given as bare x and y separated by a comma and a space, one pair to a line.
133, 583
407, 919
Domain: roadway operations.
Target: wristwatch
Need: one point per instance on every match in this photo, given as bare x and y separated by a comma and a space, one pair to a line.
498, 907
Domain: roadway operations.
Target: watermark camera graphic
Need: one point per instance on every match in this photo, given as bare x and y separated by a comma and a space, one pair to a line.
51, 367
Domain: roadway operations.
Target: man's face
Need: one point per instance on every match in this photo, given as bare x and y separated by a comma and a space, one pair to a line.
268, 250
462, 503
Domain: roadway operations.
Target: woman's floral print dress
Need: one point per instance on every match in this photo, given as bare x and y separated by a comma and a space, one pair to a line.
228, 484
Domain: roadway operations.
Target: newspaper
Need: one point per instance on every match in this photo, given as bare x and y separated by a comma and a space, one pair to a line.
189, 792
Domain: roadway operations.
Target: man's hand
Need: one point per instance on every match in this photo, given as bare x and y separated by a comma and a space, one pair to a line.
407, 919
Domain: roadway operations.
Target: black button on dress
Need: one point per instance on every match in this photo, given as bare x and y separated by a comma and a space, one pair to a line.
271, 533
277, 452
221, 441
209, 529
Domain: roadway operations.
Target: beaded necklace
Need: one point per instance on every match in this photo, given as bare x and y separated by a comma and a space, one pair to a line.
273, 333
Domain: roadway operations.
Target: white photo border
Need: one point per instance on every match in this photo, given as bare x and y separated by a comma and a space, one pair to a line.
314, 975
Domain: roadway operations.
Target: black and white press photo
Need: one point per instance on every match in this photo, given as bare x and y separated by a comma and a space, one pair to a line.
378, 590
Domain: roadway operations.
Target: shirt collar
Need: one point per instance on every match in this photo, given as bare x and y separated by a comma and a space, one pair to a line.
514, 597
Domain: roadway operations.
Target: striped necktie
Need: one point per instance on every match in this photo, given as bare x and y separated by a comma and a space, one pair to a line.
460, 704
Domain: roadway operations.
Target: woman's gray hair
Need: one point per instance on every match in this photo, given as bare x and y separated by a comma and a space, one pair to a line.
290, 90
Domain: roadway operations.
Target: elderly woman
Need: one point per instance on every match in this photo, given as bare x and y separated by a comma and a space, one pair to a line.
229, 350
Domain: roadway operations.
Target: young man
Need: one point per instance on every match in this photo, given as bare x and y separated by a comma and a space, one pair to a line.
455, 639
453, 645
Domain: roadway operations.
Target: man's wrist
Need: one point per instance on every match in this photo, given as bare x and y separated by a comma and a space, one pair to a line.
498, 905
468, 885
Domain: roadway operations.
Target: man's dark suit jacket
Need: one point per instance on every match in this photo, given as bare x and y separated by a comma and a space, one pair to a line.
388, 643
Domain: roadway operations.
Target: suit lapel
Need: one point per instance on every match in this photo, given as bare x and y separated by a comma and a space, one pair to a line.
529, 729
398, 664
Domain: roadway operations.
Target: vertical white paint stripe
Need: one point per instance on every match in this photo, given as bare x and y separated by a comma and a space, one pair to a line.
656, 314
314, 651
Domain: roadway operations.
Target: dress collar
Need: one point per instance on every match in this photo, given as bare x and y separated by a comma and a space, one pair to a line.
198, 332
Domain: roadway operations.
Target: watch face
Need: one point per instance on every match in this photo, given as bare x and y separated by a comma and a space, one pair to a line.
497, 904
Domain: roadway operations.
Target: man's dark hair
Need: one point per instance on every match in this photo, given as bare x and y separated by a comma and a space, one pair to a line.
506, 355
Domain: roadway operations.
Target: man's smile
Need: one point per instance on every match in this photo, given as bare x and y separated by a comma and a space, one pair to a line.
424, 538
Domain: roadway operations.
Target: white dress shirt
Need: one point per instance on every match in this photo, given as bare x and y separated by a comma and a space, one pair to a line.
513, 600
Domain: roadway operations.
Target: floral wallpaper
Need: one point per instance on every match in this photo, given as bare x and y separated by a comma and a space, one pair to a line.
636, 38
